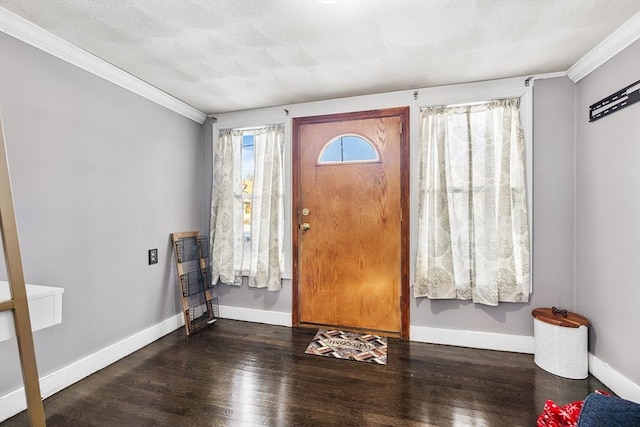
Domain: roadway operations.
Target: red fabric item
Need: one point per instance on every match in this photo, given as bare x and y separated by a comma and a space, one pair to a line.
562, 416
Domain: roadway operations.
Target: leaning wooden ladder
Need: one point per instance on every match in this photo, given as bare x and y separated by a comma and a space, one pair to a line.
18, 302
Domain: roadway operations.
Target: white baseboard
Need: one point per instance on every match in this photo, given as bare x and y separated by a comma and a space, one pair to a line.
618, 383
473, 339
280, 318
15, 402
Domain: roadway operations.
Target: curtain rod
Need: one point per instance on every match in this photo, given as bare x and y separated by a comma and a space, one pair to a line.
254, 128
247, 129
468, 104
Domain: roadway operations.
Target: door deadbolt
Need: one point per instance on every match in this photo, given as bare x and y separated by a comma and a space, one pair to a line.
305, 211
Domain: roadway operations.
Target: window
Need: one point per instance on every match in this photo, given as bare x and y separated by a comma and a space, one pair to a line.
248, 167
247, 207
348, 148
473, 234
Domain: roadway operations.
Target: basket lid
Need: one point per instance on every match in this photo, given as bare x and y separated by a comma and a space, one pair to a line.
556, 317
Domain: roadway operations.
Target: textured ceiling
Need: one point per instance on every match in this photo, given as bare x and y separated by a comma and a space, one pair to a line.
227, 55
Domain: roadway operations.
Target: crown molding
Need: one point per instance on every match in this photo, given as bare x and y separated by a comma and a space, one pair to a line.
628, 33
25, 31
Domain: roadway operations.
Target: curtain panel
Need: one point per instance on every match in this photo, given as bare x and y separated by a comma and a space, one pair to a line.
263, 257
226, 209
266, 263
473, 236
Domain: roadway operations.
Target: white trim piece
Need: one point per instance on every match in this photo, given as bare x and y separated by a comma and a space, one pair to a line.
547, 76
468, 93
23, 30
628, 33
268, 317
618, 383
15, 402
473, 339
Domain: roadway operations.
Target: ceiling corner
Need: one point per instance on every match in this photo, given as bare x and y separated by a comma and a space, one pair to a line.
624, 36
23, 30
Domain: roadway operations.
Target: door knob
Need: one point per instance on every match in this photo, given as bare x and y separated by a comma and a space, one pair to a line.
305, 226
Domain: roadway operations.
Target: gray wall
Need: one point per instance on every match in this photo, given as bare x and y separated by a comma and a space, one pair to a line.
553, 232
608, 216
553, 204
100, 175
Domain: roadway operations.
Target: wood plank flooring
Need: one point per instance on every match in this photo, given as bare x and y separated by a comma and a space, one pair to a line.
243, 374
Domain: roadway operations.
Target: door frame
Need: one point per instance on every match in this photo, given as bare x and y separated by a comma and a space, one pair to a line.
403, 114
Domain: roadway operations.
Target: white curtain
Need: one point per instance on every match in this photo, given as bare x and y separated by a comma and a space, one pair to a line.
473, 234
266, 254
226, 209
267, 209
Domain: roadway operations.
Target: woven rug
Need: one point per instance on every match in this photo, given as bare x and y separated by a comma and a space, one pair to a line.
350, 346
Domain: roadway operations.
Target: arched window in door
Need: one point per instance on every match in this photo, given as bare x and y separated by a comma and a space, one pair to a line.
348, 148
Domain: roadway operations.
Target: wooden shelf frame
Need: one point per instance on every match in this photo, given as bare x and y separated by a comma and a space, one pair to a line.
18, 303
199, 264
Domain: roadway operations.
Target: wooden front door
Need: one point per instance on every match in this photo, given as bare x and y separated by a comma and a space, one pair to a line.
351, 221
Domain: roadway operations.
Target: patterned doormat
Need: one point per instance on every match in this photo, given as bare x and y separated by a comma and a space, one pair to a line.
350, 346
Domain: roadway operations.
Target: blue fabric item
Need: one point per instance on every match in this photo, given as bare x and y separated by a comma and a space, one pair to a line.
599, 410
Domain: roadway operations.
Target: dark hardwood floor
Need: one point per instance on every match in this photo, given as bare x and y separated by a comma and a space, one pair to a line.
237, 373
